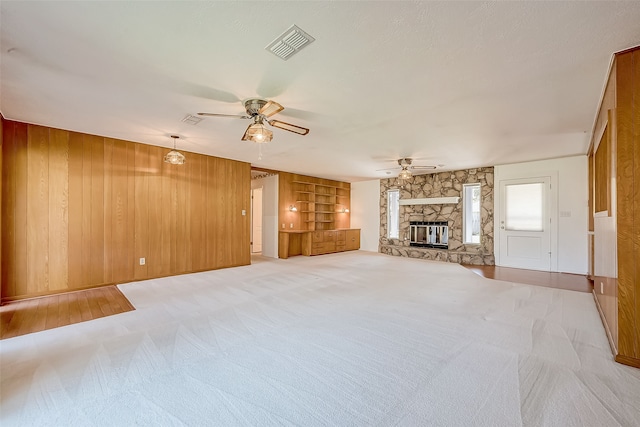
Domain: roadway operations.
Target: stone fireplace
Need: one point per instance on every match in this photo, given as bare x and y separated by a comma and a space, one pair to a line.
439, 185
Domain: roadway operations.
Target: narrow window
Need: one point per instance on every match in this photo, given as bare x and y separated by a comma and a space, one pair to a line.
393, 213
471, 213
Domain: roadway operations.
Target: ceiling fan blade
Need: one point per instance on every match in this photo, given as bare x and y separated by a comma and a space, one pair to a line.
387, 169
233, 116
270, 108
288, 126
422, 167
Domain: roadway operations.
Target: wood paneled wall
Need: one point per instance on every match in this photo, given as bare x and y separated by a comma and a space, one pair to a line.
618, 296
80, 210
628, 205
603, 174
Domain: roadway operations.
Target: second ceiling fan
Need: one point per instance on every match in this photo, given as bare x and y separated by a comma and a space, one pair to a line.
259, 111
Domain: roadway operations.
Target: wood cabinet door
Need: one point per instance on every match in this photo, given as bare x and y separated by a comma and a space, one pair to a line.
341, 237
329, 236
318, 236
353, 240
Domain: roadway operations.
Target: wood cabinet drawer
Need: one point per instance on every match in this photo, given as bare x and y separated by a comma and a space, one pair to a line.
318, 236
323, 248
340, 247
329, 236
341, 236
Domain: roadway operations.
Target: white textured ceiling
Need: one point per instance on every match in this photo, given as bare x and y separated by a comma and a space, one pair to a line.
463, 84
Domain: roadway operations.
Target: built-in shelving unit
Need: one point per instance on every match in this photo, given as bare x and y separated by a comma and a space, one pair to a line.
318, 204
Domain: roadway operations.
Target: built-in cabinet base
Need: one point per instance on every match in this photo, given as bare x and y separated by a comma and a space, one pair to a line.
319, 242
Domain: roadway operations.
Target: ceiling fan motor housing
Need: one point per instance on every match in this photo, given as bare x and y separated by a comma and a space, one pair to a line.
254, 105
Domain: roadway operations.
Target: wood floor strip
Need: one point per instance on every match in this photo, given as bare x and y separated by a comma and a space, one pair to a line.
38, 314
571, 282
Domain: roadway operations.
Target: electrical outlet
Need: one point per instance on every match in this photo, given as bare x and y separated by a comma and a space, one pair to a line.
142, 261
283, 225
291, 225
244, 212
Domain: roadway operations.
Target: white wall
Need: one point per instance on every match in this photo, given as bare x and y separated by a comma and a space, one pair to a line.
572, 200
365, 212
269, 214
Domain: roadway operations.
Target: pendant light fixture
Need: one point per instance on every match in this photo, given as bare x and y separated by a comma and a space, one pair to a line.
258, 132
174, 157
405, 173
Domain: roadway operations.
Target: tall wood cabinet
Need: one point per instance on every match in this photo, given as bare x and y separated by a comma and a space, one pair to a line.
615, 207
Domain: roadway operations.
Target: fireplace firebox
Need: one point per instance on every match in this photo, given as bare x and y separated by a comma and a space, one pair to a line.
429, 234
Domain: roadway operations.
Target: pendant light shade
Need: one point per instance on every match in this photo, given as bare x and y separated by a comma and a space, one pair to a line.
258, 132
405, 173
174, 157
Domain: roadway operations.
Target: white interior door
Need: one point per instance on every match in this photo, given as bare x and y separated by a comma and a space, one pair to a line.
525, 223
256, 220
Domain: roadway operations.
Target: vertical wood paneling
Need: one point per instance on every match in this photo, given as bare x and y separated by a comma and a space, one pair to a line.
212, 215
21, 163
97, 210
7, 276
86, 211
182, 210
37, 209
141, 209
625, 179
109, 211
602, 198
58, 209
172, 183
80, 210
166, 232
198, 204
76, 179
635, 114
9, 147
131, 260
119, 210
1, 212
154, 257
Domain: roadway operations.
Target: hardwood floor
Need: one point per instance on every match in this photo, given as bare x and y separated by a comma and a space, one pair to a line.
38, 314
572, 282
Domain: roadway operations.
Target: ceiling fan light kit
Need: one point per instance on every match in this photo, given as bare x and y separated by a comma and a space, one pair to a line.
258, 132
405, 173
175, 157
259, 110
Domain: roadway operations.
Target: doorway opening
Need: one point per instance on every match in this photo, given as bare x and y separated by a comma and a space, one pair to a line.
256, 220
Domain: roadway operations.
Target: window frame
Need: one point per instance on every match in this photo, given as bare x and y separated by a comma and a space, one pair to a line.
396, 213
467, 213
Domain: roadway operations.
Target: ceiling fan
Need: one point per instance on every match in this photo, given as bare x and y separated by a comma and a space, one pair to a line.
258, 111
406, 168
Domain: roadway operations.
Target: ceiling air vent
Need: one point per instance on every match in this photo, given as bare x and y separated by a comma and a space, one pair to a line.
289, 43
192, 120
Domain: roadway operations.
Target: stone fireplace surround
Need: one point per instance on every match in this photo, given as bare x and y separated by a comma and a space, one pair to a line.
441, 184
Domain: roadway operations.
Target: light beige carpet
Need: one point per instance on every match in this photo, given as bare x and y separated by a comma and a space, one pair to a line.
354, 339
